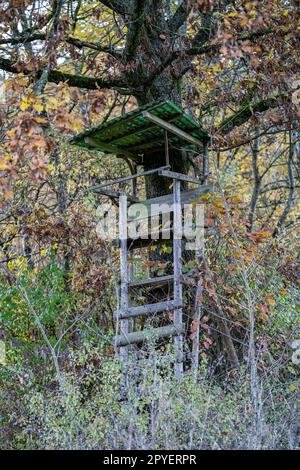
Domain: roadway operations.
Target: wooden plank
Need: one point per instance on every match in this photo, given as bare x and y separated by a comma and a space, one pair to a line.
159, 205
147, 239
140, 243
113, 194
107, 148
130, 177
148, 309
148, 335
126, 122
179, 176
152, 282
141, 130
124, 270
173, 129
131, 278
167, 148
197, 316
177, 261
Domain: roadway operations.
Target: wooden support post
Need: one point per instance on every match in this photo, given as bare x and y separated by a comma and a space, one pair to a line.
131, 278
197, 313
179, 176
167, 149
177, 251
124, 270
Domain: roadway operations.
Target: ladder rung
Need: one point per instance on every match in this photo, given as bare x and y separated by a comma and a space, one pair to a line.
155, 281
133, 244
148, 334
147, 239
148, 309
164, 204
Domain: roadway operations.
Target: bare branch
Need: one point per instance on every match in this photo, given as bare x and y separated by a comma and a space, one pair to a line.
25, 39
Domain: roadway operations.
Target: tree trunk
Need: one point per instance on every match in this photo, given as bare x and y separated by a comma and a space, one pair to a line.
162, 90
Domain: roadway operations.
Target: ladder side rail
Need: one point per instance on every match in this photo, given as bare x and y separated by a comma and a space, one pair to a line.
124, 324
197, 315
177, 254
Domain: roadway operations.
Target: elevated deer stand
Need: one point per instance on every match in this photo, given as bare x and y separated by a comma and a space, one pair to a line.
129, 136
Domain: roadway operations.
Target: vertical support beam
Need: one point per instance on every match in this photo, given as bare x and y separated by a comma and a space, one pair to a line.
177, 252
197, 314
131, 278
124, 270
167, 149
199, 247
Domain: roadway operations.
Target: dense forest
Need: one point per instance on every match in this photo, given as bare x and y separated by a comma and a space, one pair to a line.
67, 66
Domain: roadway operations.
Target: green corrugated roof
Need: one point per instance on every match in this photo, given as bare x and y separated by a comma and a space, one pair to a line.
135, 134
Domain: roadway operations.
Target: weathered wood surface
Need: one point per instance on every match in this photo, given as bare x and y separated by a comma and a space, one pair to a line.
179, 176
197, 313
138, 243
124, 270
148, 309
177, 261
163, 204
173, 129
107, 148
145, 240
148, 335
112, 194
152, 282
135, 175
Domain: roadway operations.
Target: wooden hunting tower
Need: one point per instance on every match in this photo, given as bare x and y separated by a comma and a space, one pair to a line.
157, 126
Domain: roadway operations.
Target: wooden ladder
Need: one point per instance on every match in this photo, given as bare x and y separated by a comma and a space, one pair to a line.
125, 313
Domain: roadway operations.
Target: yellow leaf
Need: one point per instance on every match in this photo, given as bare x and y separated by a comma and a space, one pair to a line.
283, 292
52, 103
38, 106
270, 300
25, 104
40, 120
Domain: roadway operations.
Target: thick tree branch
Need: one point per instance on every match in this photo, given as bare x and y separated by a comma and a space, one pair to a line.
57, 8
79, 81
208, 24
138, 8
208, 47
25, 39
246, 111
96, 47
180, 16
201, 50
119, 6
